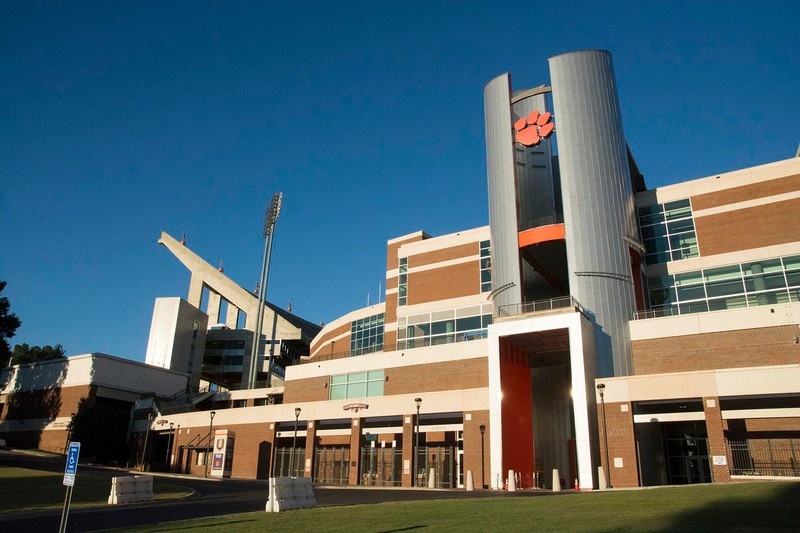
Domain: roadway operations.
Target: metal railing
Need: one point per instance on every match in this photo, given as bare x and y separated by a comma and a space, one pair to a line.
408, 344
656, 313
539, 306
765, 457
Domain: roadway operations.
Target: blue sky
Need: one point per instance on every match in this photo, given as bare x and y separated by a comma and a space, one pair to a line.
120, 120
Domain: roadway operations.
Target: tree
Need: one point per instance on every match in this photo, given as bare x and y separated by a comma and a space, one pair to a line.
24, 354
8, 327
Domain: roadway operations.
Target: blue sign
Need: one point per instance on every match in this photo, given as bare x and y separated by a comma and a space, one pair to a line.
72, 463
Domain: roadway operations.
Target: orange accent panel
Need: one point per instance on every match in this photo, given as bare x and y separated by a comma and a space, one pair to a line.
553, 232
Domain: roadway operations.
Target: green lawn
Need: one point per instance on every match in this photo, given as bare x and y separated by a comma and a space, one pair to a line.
23, 490
729, 508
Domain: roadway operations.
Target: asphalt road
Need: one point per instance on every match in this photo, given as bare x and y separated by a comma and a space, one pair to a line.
211, 498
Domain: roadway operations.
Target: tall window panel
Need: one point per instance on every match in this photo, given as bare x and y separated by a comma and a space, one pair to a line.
668, 231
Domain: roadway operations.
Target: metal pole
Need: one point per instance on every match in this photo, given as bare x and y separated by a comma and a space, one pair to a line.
601, 387
415, 460
62, 528
294, 441
146, 435
169, 437
210, 443
175, 446
270, 217
483, 458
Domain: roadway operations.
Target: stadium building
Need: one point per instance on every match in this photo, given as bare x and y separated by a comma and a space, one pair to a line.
592, 323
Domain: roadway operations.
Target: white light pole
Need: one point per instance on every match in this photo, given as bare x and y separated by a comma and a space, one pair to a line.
270, 217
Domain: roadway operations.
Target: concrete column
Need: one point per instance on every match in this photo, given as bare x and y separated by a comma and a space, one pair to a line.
355, 450
311, 440
715, 427
214, 304
271, 435
232, 318
195, 290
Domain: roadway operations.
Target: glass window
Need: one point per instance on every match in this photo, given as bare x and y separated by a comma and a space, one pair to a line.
486, 266
691, 292
468, 324
713, 274
366, 335
791, 263
357, 385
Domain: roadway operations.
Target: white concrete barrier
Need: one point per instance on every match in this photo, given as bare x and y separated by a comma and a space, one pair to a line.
432, 479
470, 483
512, 481
556, 481
601, 478
130, 489
286, 493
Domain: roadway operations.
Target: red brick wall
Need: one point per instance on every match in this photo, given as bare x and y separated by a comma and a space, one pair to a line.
734, 195
753, 227
472, 449
454, 281
708, 351
716, 438
621, 444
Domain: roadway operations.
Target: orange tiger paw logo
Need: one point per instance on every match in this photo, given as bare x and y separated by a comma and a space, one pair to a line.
533, 128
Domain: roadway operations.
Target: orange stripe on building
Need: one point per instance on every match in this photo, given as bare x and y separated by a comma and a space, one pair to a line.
552, 232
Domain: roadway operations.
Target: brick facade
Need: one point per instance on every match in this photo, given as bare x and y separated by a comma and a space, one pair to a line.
733, 231
762, 189
715, 431
621, 444
708, 351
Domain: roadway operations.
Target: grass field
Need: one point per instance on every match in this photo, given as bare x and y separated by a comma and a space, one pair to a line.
730, 508
23, 490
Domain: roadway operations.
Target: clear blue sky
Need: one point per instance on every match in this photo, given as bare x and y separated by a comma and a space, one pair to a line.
119, 120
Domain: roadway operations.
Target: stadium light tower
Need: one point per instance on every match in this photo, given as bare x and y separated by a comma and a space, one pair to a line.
270, 217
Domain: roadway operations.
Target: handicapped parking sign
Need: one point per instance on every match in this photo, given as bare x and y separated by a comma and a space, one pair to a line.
72, 463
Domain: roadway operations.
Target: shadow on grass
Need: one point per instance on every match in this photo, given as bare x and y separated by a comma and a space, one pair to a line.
168, 527
756, 506
409, 528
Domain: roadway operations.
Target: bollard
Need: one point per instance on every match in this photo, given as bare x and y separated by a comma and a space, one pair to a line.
556, 481
512, 481
470, 484
601, 478
432, 479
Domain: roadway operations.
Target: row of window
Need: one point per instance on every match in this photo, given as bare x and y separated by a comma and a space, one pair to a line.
443, 327
744, 285
357, 385
668, 232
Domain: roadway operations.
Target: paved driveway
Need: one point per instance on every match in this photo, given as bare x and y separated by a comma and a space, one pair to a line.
211, 498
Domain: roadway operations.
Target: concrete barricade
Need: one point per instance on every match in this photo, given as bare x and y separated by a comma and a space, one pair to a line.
286, 493
130, 489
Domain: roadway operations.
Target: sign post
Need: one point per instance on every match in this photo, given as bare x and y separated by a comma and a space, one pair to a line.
69, 481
